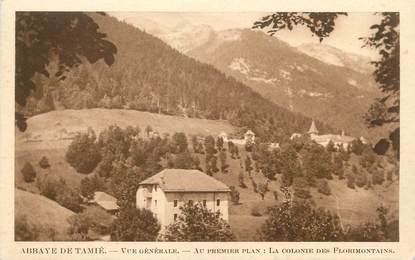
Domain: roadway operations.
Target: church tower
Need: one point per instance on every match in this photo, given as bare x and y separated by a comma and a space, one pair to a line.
313, 129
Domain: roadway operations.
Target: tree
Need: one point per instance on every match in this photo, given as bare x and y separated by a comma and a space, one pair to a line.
263, 189
134, 224
43, 36
28, 172
23, 231
338, 168
330, 147
69, 198
44, 163
222, 159
90, 185
219, 143
83, 153
298, 221
79, 227
198, 223
241, 179
148, 130
184, 160
350, 181
357, 147
179, 142
323, 187
195, 144
248, 165
385, 39
210, 145
234, 195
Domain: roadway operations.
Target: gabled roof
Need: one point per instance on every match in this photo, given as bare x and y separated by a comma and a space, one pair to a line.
105, 200
176, 180
313, 128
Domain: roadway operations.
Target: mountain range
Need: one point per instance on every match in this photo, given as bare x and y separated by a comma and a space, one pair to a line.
317, 80
149, 75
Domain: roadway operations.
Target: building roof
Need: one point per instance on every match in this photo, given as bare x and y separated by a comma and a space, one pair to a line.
333, 138
183, 180
105, 200
313, 128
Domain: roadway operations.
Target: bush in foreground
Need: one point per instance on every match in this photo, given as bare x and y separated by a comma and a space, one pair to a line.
197, 223
135, 224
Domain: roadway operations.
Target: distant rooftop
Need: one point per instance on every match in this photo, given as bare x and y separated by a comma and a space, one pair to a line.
176, 180
333, 138
105, 200
313, 128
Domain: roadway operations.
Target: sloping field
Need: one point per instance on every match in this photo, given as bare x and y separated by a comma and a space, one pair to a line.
42, 212
54, 129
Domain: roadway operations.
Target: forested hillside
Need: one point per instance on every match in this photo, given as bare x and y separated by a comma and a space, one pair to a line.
148, 75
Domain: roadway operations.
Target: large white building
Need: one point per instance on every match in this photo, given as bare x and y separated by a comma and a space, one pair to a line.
165, 192
338, 140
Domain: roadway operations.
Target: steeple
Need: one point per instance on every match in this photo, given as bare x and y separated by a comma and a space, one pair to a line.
313, 129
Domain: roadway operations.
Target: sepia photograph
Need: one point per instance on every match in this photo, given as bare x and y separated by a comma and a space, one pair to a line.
207, 126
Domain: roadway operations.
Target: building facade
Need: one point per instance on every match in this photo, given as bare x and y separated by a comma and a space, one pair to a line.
167, 191
341, 140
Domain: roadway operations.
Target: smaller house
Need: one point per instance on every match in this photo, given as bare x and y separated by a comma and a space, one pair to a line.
105, 201
249, 137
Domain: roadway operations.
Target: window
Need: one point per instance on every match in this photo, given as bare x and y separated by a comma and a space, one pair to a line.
155, 203
204, 203
175, 217
175, 203
191, 202
218, 202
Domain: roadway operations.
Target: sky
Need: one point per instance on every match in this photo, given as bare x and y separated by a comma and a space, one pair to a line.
345, 35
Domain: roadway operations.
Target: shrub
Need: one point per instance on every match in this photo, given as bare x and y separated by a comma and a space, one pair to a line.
44, 163
134, 224
323, 187
83, 153
350, 181
255, 211
241, 180
29, 173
